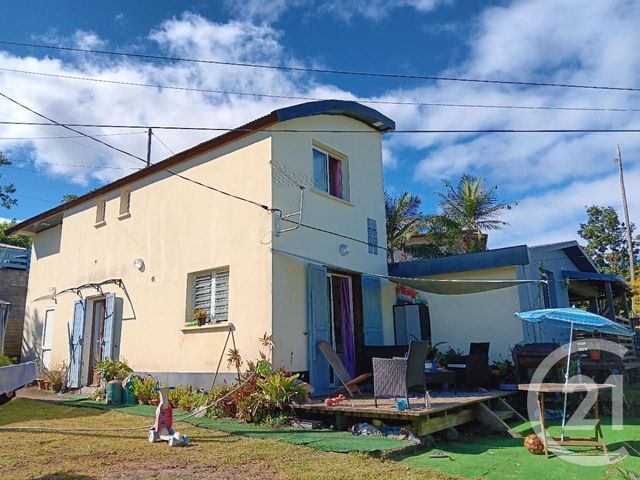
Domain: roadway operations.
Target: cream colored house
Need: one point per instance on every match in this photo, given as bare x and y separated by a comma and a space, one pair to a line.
120, 271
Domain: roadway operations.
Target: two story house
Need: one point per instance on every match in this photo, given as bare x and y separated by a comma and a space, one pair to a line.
276, 227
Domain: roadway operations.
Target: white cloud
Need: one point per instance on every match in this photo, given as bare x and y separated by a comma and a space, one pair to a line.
555, 216
553, 175
376, 9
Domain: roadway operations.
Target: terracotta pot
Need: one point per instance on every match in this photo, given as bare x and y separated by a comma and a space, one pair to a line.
40, 382
46, 384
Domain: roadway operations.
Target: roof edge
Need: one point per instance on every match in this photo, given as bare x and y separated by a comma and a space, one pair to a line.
351, 109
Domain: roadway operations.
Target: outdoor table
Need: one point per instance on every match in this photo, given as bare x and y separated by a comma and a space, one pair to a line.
597, 440
446, 378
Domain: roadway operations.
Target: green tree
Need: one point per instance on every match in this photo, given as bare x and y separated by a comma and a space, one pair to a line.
404, 220
7, 200
606, 240
66, 198
15, 239
474, 208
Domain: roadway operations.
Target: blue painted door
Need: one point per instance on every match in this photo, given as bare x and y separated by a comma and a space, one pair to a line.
318, 326
372, 310
109, 322
76, 343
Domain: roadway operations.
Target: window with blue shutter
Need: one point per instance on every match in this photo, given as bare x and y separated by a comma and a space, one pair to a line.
372, 236
210, 292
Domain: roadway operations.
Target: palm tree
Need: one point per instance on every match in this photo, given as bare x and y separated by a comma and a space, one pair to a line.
474, 208
404, 220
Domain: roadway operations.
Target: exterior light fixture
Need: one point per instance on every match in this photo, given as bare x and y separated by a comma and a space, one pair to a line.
343, 249
139, 264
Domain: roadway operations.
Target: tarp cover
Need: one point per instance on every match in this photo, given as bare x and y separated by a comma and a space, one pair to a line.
457, 287
17, 376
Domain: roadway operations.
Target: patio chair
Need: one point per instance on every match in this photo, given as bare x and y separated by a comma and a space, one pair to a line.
396, 377
348, 383
472, 370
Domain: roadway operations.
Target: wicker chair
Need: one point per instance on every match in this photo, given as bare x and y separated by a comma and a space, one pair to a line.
395, 377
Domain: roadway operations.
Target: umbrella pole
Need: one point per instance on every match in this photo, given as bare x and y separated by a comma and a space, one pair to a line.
566, 382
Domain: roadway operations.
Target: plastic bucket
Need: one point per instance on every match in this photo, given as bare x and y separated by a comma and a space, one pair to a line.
114, 392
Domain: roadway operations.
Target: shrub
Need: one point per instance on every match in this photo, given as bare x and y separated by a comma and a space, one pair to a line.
216, 393
5, 361
113, 369
57, 374
143, 389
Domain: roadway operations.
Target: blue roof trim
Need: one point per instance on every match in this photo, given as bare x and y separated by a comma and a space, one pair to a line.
500, 257
355, 110
603, 277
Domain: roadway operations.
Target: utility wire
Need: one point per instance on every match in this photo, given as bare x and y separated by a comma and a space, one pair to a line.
162, 143
65, 137
323, 70
308, 98
237, 197
291, 130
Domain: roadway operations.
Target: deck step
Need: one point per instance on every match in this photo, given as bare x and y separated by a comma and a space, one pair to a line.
504, 414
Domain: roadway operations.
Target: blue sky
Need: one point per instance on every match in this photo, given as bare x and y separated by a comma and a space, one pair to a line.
551, 176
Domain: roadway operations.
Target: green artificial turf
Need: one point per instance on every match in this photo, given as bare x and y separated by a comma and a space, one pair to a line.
495, 457
325, 440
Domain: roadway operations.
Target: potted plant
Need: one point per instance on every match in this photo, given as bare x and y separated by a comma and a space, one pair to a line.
56, 376
143, 389
504, 372
200, 316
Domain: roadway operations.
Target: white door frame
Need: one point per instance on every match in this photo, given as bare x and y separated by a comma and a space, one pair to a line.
47, 340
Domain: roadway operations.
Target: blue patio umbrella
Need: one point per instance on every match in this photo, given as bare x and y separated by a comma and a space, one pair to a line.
574, 318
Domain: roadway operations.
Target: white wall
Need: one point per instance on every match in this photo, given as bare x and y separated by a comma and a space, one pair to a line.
478, 317
323, 211
177, 228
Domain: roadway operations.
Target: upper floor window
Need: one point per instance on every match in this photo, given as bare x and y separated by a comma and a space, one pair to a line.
210, 296
330, 172
125, 202
101, 209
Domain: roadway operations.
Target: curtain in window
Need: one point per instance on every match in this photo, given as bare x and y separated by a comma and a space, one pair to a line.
320, 171
335, 167
346, 324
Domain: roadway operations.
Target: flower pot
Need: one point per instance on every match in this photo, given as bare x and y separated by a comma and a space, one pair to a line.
201, 322
595, 354
56, 387
46, 384
40, 382
155, 401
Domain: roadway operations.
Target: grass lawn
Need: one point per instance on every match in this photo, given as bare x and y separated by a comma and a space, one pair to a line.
227, 449
496, 457
212, 454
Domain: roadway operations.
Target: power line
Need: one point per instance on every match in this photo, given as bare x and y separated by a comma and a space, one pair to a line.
231, 195
309, 98
69, 128
65, 137
290, 130
162, 143
324, 70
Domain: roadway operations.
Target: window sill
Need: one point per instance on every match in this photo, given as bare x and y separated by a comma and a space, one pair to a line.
208, 328
328, 195
124, 215
100, 224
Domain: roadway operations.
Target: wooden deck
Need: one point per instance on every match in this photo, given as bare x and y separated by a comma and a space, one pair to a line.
445, 411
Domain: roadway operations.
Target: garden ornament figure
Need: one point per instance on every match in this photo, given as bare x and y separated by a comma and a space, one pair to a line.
163, 428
